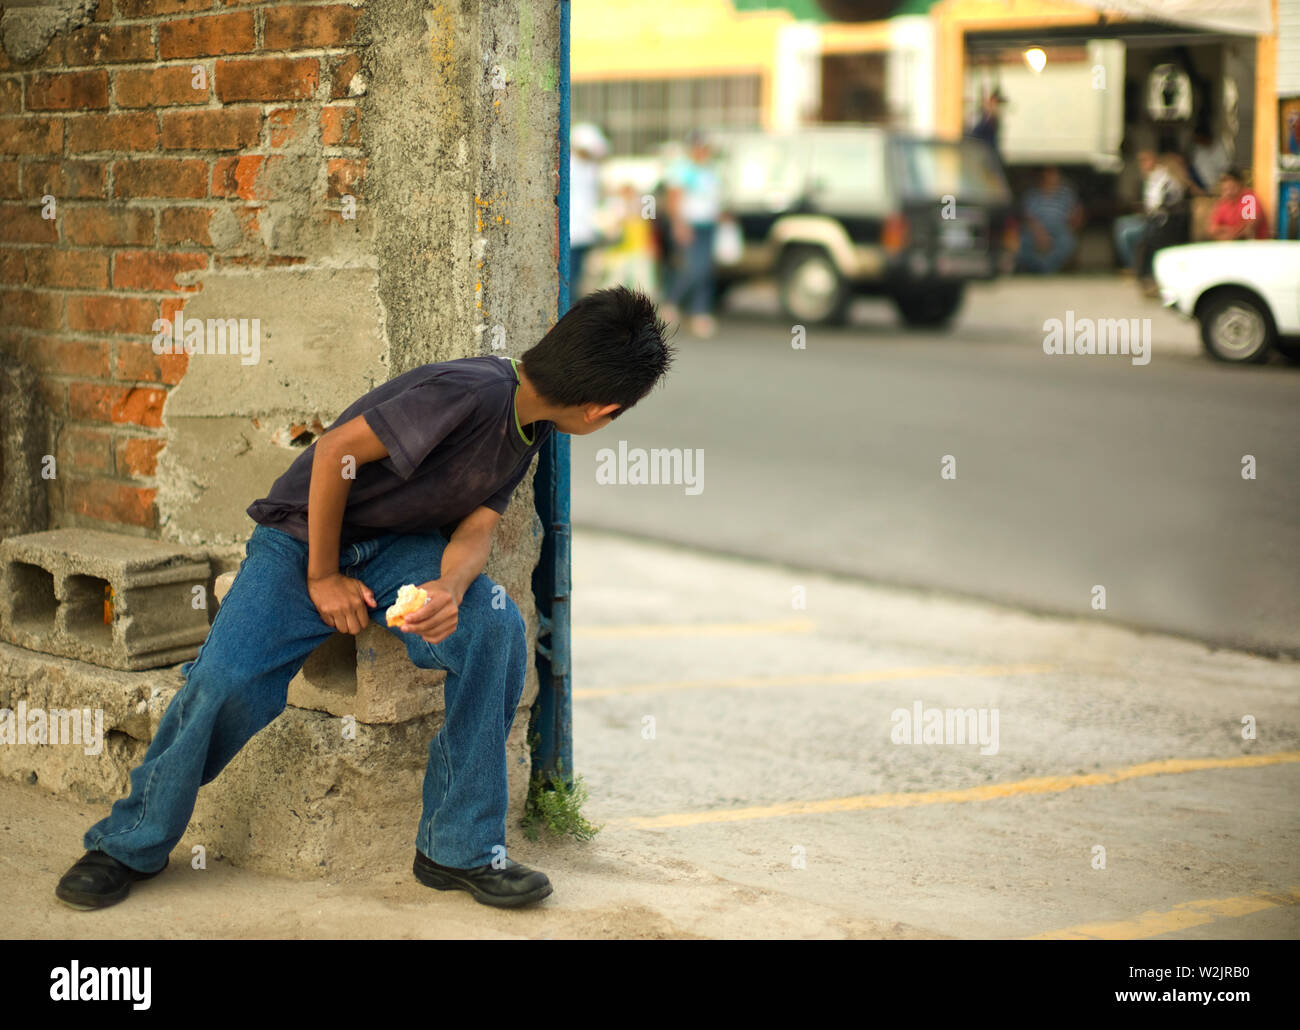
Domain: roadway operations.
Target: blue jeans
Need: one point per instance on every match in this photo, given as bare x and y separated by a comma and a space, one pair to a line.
1061, 246
695, 278
263, 632
1128, 231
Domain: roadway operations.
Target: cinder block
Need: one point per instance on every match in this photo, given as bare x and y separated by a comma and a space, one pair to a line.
369, 677
118, 601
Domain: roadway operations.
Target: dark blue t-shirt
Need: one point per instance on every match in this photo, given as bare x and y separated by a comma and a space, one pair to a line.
454, 444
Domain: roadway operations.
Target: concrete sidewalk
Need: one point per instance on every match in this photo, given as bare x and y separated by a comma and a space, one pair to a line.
733, 724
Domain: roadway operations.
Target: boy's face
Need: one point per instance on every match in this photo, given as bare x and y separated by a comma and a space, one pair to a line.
582, 419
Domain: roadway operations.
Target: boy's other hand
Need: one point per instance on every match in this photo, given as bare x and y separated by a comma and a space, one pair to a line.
438, 617
341, 602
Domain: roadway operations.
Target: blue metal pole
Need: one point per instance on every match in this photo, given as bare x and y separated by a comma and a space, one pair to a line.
553, 711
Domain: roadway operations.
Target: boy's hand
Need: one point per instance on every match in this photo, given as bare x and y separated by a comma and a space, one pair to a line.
437, 619
341, 602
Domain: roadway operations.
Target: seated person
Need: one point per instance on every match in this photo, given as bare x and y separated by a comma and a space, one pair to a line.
1238, 215
1053, 215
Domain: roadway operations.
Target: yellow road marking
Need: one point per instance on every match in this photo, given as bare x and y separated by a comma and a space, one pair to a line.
697, 629
866, 676
1180, 917
990, 792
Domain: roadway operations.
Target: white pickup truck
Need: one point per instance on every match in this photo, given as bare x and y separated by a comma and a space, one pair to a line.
1244, 293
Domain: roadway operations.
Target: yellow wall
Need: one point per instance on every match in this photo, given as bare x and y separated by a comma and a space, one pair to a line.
625, 39
658, 39
1266, 130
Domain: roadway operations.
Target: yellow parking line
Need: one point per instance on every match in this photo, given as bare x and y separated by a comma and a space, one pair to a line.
1180, 917
697, 629
866, 676
990, 792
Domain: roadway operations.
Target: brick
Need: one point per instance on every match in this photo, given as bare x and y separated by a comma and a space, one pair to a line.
108, 227
104, 313
67, 91
84, 451
158, 87
236, 176
109, 44
267, 78
72, 180
137, 405
137, 456
68, 357
308, 28
188, 225
340, 126
207, 36
13, 266
54, 394
32, 309
341, 71
161, 177
68, 269
11, 95
22, 223
9, 180
227, 129
153, 270
150, 8
286, 125
345, 175
112, 502
109, 598
26, 135
112, 132
137, 362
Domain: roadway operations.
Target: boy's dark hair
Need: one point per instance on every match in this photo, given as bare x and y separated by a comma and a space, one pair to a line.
609, 348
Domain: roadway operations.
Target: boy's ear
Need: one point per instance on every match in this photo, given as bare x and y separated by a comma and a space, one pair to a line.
594, 412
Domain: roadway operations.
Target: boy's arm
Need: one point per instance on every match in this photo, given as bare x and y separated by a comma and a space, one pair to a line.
340, 600
463, 559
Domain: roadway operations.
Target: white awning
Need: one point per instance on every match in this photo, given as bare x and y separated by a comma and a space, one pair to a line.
1245, 17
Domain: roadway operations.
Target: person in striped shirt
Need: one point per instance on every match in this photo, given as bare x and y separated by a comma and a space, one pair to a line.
1052, 216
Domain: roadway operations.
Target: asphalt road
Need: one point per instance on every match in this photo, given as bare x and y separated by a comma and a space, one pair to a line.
1072, 472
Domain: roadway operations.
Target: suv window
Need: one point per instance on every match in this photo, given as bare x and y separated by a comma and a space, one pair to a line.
967, 170
763, 172
849, 173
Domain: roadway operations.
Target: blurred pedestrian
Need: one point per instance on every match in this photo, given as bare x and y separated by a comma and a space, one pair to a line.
1209, 160
988, 125
1053, 216
632, 258
587, 147
1238, 215
694, 208
1168, 222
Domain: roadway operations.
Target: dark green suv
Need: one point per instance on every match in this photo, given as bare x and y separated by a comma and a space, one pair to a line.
836, 211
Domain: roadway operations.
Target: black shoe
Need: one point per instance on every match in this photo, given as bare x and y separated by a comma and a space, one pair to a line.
98, 880
512, 885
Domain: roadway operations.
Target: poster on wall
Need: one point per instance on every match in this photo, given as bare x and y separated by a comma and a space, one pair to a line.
1288, 144
1288, 209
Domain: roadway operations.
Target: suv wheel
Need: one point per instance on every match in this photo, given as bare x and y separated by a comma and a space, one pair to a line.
933, 305
1236, 327
812, 290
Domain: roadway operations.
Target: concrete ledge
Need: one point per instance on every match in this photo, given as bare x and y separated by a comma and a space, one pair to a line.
300, 799
118, 601
369, 677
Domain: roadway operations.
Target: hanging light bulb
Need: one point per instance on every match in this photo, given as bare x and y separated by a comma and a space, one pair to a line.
1036, 58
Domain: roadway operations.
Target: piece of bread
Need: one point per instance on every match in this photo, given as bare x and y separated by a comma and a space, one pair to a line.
409, 599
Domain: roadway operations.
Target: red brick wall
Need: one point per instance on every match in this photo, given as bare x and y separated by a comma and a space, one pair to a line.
110, 123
